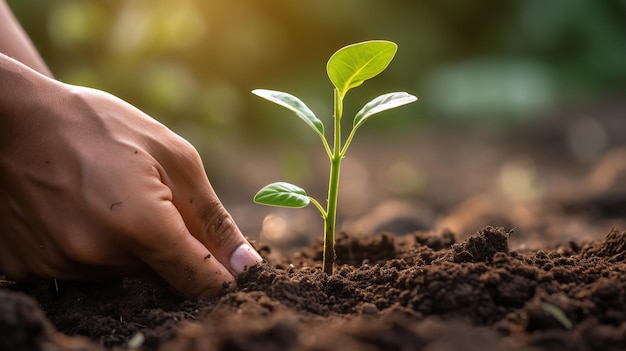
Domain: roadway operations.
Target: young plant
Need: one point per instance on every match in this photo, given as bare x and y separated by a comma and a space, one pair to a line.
347, 68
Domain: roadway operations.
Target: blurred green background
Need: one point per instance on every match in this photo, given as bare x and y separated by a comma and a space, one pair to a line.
191, 64
486, 72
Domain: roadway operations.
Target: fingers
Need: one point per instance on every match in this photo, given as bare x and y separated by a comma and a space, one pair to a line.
218, 231
161, 239
203, 213
215, 228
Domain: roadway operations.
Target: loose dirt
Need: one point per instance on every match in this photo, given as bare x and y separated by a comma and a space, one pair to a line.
422, 291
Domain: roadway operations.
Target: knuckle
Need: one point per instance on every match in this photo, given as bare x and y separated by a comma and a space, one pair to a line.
183, 149
219, 224
179, 156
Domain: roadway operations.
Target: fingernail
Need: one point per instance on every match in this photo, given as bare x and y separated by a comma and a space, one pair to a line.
244, 257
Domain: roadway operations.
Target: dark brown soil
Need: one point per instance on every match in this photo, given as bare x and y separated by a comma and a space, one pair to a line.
417, 292
421, 275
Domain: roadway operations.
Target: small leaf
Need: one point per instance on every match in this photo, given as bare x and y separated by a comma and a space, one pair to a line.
352, 65
382, 103
282, 194
294, 104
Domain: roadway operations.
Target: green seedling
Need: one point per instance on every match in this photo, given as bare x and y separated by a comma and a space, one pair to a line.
347, 68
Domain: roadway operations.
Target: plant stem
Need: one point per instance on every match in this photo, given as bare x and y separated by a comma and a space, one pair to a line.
333, 189
329, 227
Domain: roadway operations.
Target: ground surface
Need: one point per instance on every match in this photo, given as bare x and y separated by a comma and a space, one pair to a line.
521, 246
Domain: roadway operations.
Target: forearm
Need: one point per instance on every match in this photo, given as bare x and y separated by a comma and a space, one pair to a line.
15, 43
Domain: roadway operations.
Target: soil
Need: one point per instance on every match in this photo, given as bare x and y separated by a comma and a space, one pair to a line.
549, 274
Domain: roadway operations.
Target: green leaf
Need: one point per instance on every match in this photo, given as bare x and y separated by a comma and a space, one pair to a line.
352, 65
382, 103
294, 104
282, 194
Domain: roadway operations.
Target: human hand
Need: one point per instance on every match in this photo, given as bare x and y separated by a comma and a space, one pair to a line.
91, 187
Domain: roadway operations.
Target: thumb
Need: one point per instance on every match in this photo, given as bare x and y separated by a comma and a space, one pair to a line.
201, 210
215, 228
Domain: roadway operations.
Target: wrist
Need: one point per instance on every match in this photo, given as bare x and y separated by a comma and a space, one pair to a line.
22, 93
